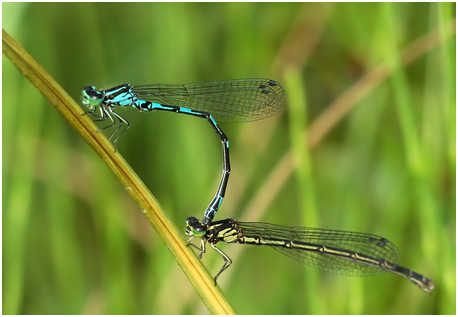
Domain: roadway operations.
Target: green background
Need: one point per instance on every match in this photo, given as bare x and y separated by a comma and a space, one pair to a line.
74, 242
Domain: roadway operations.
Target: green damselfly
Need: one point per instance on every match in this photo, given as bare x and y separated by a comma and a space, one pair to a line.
336, 251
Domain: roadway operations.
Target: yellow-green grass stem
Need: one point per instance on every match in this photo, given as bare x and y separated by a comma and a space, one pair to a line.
69, 109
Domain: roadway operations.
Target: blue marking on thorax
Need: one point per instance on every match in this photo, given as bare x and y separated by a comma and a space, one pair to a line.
110, 92
227, 143
123, 99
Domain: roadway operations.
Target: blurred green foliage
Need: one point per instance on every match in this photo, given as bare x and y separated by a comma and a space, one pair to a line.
75, 243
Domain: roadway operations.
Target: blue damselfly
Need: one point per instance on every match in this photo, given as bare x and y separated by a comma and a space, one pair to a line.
232, 101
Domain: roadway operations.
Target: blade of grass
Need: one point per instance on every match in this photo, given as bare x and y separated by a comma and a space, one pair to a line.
200, 279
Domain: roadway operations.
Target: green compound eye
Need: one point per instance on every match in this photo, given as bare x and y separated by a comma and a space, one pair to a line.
198, 233
194, 227
92, 97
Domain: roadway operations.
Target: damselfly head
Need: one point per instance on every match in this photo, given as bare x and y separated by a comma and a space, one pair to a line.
92, 97
195, 228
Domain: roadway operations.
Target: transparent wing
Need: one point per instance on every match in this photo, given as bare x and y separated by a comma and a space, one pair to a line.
232, 100
366, 245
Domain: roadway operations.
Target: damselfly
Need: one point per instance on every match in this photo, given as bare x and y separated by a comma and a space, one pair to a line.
232, 101
342, 252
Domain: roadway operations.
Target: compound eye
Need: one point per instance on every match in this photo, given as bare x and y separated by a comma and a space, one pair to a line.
92, 97
89, 89
194, 227
199, 233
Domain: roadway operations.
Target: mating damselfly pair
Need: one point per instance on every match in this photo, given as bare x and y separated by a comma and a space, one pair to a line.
344, 252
